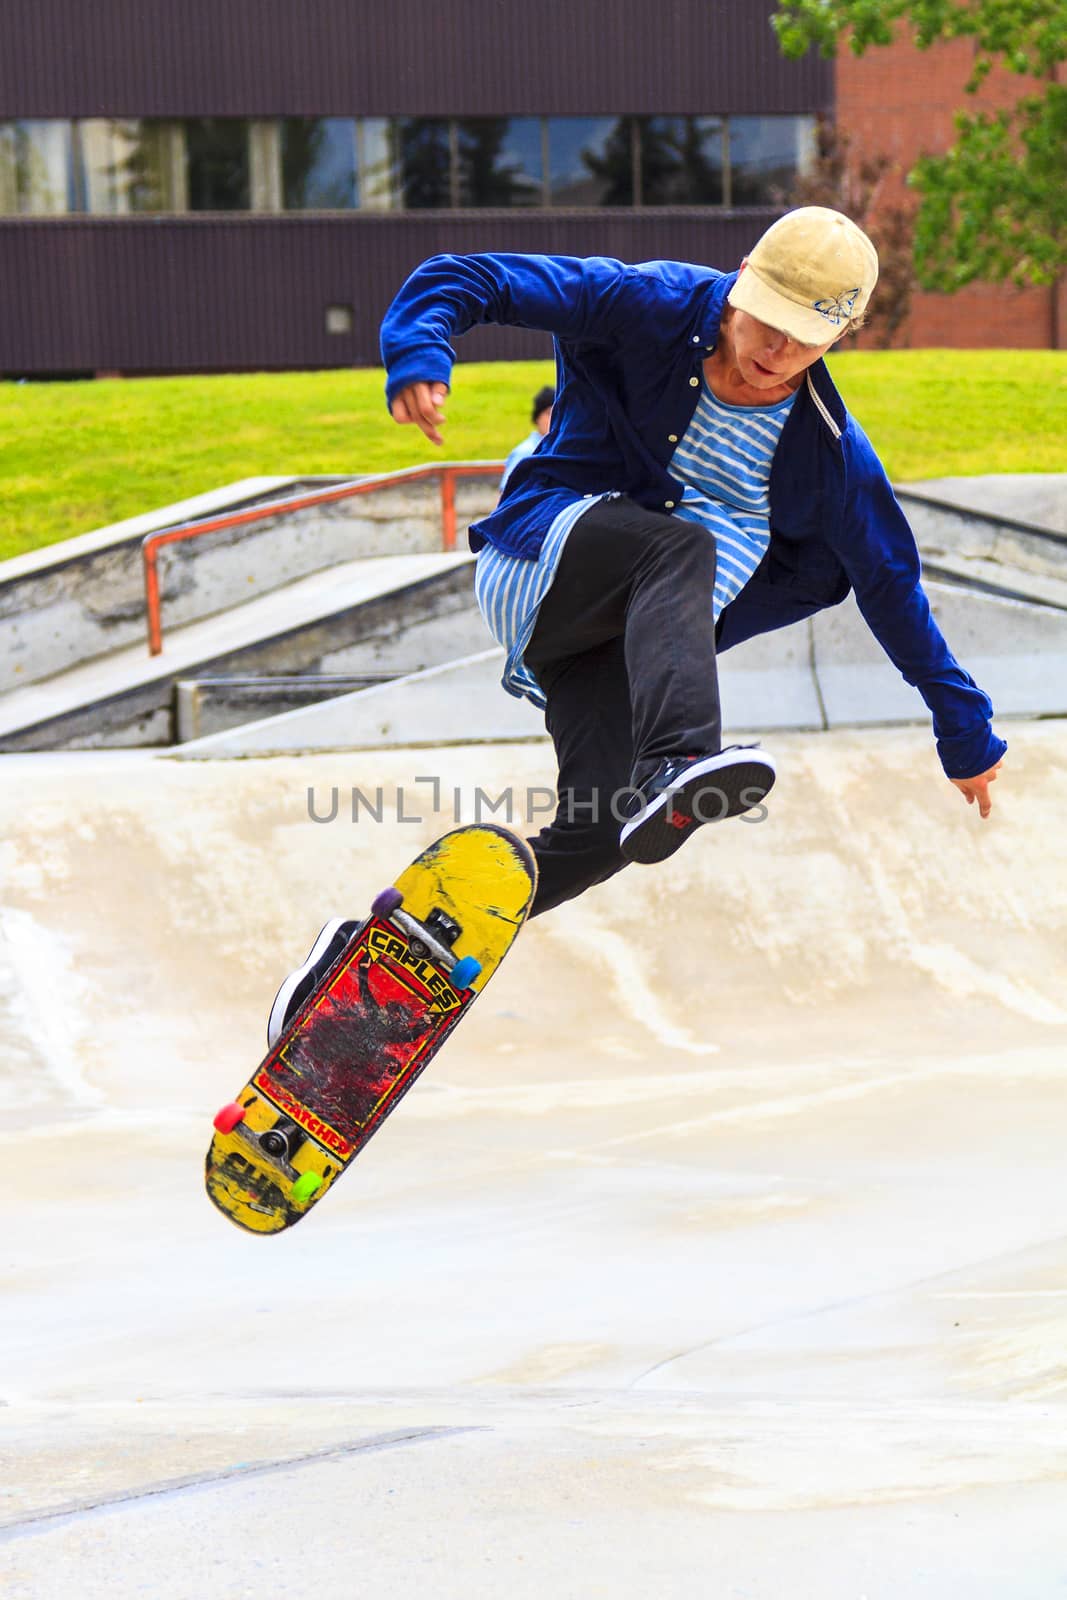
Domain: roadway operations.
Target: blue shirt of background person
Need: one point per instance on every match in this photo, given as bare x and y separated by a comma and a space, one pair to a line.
541, 417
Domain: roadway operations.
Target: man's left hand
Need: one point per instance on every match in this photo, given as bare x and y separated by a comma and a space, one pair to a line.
978, 789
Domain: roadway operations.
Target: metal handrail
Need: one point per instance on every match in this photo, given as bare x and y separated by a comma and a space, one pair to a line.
445, 472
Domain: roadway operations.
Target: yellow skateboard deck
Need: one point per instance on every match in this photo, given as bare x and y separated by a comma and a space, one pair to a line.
359, 1041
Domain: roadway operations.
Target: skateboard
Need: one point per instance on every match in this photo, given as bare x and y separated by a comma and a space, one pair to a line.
361, 1039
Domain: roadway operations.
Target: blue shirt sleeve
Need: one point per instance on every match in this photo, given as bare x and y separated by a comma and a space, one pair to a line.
595, 299
880, 556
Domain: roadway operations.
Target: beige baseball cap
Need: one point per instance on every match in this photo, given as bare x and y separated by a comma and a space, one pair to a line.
809, 274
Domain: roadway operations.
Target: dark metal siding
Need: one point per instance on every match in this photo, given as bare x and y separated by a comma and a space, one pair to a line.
80, 58
218, 293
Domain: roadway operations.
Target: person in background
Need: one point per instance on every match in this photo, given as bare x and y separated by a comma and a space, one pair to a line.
541, 417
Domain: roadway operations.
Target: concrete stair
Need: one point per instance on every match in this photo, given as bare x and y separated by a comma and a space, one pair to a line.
379, 616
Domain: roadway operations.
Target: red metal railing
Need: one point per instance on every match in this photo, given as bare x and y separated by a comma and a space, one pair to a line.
446, 473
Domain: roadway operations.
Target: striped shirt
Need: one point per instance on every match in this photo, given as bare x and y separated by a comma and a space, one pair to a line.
509, 590
723, 458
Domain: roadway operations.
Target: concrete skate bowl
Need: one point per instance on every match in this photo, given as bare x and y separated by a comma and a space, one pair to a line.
732, 1153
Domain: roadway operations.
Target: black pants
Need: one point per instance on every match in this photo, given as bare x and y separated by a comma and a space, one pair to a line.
624, 650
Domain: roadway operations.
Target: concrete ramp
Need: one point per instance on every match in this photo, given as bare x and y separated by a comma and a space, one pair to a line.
722, 1251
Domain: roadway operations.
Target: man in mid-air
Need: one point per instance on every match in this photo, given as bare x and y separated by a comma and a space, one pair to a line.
701, 482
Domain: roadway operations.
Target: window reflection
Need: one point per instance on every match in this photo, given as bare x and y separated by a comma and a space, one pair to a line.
122, 166
217, 163
319, 164
379, 172
8, 178
681, 161
424, 157
591, 161
766, 155
499, 161
130, 165
36, 168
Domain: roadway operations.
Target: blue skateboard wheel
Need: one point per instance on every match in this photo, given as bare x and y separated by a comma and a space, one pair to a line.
464, 972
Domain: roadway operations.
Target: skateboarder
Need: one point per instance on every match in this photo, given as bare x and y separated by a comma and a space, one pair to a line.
701, 482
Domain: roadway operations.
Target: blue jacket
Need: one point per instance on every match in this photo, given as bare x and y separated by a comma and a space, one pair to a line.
630, 345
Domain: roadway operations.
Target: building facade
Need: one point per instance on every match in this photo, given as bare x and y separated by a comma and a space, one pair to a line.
245, 183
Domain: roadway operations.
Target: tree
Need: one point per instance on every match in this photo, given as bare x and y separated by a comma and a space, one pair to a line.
994, 207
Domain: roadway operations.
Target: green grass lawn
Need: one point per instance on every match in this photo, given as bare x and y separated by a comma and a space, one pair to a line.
75, 456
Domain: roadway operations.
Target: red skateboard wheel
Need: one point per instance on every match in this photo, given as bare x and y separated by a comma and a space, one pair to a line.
228, 1118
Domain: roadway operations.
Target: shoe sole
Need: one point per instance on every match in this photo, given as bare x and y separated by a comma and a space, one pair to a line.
727, 791
283, 1000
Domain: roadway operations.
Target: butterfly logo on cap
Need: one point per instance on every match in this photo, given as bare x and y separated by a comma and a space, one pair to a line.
839, 310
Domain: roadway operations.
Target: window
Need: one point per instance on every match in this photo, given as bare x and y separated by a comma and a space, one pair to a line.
319, 164
36, 168
123, 166
500, 161
591, 161
766, 155
681, 161
128, 165
379, 174
424, 160
216, 150
9, 192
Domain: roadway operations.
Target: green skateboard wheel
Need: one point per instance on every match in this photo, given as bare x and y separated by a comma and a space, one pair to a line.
306, 1185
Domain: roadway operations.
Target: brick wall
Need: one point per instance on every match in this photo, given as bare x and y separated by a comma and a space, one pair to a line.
902, 101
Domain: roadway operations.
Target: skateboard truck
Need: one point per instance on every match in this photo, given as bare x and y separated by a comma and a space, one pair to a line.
278, 1143
284, 1139
443, 927
433, 937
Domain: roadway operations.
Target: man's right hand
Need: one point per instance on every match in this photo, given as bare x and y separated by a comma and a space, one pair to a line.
422, 404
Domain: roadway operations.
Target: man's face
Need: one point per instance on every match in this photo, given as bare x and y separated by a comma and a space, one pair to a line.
767, 358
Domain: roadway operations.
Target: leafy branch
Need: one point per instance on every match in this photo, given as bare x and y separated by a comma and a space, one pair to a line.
994, 206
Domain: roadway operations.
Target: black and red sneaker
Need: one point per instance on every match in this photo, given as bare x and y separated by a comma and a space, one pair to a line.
686, 791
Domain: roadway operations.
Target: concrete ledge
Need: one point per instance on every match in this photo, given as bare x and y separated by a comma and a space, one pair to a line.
766, 683
242, 492
1037, 498
456, 703
826, 673
205, 706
